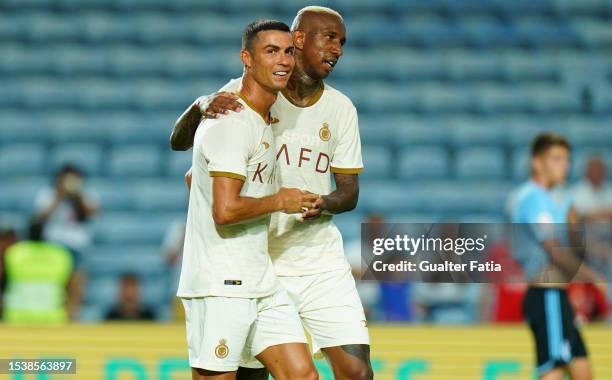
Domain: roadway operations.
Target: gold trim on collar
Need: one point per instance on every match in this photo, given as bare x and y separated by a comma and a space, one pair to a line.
252, 106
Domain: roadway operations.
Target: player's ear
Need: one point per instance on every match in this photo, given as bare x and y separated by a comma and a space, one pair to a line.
298, 39
245, 57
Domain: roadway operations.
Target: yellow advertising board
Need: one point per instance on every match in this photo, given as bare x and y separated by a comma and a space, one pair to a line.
404, 352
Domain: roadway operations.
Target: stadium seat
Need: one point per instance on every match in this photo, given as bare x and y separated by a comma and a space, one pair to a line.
87, 157
378, 129
112, 195
159, 196
480, 163
19, 193
470, 132
20, 127
177, 163
520, 163
73, 127
377, 162
421, 131
22, 160
384, 197
129, 229
460, 198
108, 260
135, 160
424, 162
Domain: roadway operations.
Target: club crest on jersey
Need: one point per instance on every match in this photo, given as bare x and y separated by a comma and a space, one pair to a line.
265, 144
274, 120
222, 350
324, 132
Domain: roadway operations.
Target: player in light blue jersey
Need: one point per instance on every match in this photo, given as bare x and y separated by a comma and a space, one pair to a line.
542, 245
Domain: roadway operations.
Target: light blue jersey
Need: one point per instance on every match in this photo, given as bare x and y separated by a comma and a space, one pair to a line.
541, 218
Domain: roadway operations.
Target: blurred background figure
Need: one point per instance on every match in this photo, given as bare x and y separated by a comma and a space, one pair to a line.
40, 287
593, 195
172, 250
129, 306
8, 237
65, 210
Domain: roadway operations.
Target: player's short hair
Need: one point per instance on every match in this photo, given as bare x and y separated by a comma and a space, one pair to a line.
251, 30
313, 9
547, 140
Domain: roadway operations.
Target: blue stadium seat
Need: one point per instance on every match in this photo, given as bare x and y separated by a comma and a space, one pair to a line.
594, 34
470, 132
20, 127
87, 157
103, 27
377, 161
349, 224
73, 127
446, 99
17, 59
378, 129
129, 128
586, 133
463, 66
109, 260
159, 195
496, 99
459, 198
177, 163
422, 131
44, 27
521, 159
130, 62
135, 160
113, 195
22, 160
19, 194
129, 228
384, 197
102, 291
481, 163
407, 64
71, 60
529, 66
424, 162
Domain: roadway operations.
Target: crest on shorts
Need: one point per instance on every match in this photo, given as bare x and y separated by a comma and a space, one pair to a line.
222, 350
324, 132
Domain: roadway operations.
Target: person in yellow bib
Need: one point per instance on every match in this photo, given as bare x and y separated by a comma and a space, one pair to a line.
38, 275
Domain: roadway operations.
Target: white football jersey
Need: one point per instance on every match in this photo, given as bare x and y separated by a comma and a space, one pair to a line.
229, 260
311, 143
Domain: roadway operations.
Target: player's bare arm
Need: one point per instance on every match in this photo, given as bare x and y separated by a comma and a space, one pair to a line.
229, 207
343, 199
210, 107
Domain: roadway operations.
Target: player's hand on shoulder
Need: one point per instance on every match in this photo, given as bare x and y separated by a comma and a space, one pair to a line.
293, 201
219, 104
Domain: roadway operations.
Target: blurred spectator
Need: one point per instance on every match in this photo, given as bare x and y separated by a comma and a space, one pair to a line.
369, 291
129, 307
593, 196
40, 287
588, 301
8, 237
172, 249
65, 209
502, 299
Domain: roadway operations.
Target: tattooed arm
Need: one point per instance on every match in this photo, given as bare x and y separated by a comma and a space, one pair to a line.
185, 127
209, 107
